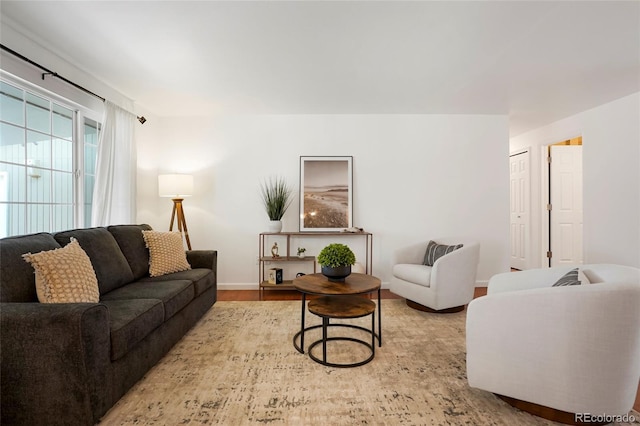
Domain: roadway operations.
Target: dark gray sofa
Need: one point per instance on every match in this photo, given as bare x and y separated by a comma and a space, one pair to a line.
67, 364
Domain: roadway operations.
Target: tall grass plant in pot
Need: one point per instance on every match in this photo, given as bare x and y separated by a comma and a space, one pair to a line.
276, 197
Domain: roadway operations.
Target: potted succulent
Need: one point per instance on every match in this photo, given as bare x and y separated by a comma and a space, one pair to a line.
276, 197
301, 251
336, 260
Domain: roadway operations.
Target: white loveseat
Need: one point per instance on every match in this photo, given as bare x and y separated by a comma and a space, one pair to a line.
574, 349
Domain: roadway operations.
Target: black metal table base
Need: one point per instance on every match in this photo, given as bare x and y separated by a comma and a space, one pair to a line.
325, 339
313, 327
325, 326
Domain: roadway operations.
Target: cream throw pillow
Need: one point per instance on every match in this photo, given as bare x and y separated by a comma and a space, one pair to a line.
64, 275
166, 252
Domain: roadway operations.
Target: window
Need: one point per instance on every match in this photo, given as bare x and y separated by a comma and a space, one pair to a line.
47, 163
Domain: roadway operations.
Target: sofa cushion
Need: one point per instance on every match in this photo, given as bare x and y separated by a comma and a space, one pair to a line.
417, 274
201, 278
17, 280
435, 251
64, 275
166, 252
175, 295
129, 238
112, 268
132, 320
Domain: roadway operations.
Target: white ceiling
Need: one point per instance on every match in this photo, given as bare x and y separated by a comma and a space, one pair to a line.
535, 61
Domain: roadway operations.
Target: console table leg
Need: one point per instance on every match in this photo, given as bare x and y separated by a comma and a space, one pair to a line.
379, 320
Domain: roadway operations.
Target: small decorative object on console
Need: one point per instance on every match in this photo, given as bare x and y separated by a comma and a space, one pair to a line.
301, 251
353, 229
274, 251
275, 276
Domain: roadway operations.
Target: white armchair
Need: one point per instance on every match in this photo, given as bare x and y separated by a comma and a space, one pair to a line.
572, 349
446, 286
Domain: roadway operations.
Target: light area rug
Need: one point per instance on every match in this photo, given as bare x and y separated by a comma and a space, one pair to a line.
237, 366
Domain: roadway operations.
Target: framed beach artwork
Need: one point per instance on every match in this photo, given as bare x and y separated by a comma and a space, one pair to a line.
326, 193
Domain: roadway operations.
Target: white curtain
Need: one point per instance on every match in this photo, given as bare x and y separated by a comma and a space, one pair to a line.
114, 193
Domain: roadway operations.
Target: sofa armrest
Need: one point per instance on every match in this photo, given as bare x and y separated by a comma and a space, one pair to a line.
207, 259
571, 348
54, 359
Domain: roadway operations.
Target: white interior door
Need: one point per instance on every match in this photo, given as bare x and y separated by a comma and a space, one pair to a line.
566, 204
519, 177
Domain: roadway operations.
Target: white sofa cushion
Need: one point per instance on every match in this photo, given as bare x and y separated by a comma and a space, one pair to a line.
417, 274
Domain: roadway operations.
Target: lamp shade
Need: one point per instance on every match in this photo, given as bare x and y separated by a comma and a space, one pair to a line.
175, 186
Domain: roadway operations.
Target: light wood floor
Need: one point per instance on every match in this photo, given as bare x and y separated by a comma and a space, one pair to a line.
245, 295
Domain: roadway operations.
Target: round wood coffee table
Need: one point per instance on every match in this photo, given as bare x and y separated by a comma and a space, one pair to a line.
331, 307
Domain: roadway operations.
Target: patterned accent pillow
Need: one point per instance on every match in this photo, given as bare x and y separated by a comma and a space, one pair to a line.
166, 252
435, 251
570, 278
64, 275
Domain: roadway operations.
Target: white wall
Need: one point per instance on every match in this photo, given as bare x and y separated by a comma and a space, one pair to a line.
611, 173
415, 178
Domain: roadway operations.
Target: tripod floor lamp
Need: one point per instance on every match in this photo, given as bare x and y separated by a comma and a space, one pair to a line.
177, 187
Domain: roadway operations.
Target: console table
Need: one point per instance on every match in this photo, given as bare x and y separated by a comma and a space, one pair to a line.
288, 257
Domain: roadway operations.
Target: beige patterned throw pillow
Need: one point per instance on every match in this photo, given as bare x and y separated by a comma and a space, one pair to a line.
166, 252
64, 275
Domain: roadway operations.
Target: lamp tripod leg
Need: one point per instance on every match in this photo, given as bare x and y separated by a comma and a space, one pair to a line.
178, 213
173, 216
182, 225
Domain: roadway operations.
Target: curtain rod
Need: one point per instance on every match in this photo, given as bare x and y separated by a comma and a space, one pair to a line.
47, 72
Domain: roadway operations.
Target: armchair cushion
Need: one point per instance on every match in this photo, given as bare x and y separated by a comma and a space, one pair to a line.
417, 274
435, 251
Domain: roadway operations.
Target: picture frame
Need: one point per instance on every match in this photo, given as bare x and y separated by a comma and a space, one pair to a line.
326, 193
